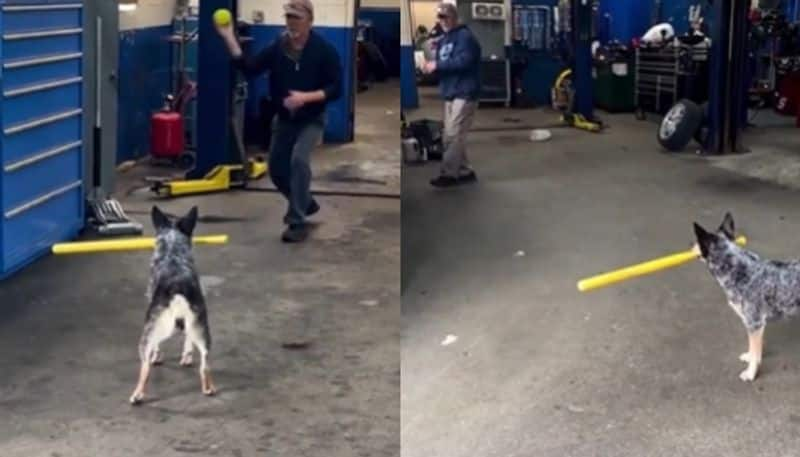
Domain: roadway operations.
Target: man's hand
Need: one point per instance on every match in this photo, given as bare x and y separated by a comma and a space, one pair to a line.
297, 99
429, 67
229, 37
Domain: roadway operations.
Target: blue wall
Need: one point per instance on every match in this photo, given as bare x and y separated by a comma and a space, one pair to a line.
144, 80
386, 23
628, 19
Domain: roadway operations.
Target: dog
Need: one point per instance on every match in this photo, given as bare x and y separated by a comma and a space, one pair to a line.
758, 290
176, 301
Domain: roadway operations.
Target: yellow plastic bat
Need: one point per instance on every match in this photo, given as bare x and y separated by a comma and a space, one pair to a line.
642, 269
125, 244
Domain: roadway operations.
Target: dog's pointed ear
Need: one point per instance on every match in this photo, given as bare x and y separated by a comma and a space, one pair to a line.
188, 222
704, 239
160, 220
727, 227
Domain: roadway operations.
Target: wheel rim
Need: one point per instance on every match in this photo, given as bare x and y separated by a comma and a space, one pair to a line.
671, 120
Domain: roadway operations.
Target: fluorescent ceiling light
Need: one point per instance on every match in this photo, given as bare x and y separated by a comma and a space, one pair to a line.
128, 5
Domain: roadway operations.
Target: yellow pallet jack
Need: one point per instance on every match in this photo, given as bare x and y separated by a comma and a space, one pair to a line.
219, 179
563, 96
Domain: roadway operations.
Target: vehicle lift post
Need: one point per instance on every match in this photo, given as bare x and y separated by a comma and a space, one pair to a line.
221, 161
727, 104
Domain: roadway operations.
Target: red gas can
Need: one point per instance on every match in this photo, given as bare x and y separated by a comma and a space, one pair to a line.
166, 134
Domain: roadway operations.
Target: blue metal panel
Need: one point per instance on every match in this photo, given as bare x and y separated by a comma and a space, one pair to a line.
41, 184
27, 143
216, 80
39, 178
24, 21
41, 46
582, 68
30, 234
35, 105
14, 78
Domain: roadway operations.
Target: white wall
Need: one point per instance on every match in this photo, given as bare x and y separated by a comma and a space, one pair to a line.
327, 13
423, 12
391, 4
150, 13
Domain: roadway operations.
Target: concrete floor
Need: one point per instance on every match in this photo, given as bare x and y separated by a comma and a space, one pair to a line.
69, 328
647, 368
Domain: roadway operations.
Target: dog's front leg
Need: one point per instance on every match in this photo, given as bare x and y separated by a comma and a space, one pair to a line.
753, 356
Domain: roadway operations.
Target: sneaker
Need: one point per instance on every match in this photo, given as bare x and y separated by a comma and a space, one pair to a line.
444, 181
295, 234
313, 209
469, 177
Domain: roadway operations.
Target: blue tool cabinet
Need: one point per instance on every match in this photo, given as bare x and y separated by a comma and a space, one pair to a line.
41, 184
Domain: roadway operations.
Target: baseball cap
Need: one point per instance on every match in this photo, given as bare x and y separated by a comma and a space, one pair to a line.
446, 9
302, 8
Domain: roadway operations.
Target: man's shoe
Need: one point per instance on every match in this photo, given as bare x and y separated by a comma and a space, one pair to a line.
444, 181
313, 209
295, 234
469, 177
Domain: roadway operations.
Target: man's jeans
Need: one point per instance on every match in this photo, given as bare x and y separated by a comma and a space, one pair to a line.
290, 163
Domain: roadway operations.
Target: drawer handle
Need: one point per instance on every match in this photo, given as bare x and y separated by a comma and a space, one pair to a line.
14, 166
47, 34
22, 8
42, 121
41, 87
42, 60
44, 198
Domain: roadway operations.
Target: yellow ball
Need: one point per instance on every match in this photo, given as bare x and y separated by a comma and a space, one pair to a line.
222, 17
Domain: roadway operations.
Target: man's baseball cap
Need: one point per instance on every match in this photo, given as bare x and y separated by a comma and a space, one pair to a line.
446, 9
302, 8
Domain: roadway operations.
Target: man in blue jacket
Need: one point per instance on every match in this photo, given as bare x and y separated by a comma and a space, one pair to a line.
457, 61
305, 73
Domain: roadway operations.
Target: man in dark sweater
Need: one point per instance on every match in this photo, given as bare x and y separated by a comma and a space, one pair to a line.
305, 73
458, 59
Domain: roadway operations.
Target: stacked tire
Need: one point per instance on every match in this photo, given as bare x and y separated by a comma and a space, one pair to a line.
680, 125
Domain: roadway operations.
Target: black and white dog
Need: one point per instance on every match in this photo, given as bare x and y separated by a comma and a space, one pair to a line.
759, 290
176, 301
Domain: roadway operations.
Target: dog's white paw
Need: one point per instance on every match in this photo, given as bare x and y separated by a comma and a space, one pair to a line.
745, 357
748, 375
210, 391
186, 360
136, 398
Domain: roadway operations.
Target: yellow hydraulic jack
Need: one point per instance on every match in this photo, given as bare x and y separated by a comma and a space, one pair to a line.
219, 179
562, 95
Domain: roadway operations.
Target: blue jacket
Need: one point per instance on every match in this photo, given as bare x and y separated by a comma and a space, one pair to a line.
458, 60
318, 68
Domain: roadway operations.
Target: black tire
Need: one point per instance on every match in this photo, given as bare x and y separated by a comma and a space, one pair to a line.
186, 160
701, 134
679, 125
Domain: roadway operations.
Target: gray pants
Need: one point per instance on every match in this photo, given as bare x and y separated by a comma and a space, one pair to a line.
458, 116
290, 164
